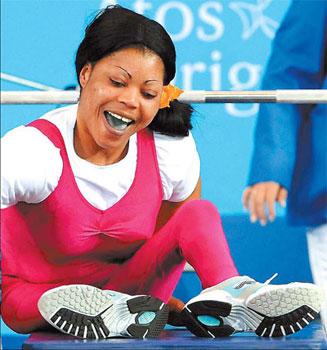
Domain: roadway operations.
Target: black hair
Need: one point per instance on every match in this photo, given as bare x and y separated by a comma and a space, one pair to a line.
115, 28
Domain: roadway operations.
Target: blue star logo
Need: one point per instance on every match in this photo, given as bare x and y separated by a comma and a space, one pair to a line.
253, 18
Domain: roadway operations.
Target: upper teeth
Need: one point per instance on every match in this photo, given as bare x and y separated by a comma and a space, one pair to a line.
126, 120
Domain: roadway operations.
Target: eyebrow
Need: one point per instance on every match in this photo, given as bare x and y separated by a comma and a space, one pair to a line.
124, 71
151, 80
130, 76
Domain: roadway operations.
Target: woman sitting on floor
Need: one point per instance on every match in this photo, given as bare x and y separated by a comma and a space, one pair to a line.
101, 207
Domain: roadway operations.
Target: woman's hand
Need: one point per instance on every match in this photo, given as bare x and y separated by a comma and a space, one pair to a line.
262, 195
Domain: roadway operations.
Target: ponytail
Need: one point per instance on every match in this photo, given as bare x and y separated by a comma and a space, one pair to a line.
174, 120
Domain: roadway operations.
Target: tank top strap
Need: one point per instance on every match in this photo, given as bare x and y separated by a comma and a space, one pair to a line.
147, 154
50, 131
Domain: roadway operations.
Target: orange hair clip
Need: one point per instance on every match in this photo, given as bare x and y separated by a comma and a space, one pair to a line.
169, 93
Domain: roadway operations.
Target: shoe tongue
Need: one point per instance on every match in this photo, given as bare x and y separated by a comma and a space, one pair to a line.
230, 283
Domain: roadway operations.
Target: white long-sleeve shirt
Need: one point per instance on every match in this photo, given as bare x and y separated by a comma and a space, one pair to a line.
31, 166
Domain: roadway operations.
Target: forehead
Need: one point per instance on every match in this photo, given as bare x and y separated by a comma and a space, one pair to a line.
136, 60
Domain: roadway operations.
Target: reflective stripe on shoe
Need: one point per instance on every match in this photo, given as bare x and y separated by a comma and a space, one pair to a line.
88, 312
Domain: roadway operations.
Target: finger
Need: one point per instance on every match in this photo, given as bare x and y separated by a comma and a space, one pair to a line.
246, 197
251, 206
259, 204
272, 193
282, 196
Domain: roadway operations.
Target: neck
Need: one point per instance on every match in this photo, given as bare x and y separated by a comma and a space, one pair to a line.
86, 148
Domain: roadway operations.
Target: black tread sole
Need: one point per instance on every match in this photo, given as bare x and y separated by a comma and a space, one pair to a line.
147, 303
291, 322
70, 320
269, 327
73, 319
211, 308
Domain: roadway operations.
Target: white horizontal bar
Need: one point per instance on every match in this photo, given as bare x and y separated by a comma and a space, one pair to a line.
267, 96
264, 96
307, 96
39, 97
25, 82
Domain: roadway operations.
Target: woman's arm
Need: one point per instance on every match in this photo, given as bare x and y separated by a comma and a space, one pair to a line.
30, 166
168, 209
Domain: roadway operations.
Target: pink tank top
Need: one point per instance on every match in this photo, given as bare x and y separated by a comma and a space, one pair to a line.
64, 237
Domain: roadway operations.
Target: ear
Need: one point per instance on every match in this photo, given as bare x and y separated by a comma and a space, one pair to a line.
85, 74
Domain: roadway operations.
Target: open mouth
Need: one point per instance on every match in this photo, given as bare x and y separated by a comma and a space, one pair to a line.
116, 121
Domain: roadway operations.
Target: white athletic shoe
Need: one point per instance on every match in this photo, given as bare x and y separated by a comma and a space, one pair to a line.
240, 304
88, 312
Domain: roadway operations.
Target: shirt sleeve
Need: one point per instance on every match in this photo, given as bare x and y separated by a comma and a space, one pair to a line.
296, 62
179, 166
30, 166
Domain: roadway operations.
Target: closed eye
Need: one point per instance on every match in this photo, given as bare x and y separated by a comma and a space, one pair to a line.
117, 83
149, 96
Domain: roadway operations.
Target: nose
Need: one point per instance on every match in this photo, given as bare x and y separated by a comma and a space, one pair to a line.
129, 96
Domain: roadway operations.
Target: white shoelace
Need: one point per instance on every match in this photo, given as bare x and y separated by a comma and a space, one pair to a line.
271, 278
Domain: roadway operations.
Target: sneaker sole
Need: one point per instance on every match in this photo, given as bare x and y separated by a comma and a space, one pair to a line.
269, 314
212, 308
90, 313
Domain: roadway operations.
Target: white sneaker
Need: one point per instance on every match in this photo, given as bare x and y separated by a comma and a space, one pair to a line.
88, 312
240, 304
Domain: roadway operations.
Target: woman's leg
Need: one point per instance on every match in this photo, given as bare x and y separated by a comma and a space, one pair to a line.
193, 234
19, 304
20, 299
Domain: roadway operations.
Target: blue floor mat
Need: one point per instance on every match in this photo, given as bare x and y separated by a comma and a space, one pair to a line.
311, 337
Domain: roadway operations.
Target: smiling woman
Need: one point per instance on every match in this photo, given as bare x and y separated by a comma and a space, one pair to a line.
101, 209
120, 96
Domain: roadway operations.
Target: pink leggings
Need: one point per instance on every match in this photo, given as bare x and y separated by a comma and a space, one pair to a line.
194, 234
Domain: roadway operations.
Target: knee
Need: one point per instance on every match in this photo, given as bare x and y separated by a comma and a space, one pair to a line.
198, 220
200, 210
198, 217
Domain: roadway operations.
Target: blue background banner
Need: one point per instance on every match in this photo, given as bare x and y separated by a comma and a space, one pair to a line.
221, 45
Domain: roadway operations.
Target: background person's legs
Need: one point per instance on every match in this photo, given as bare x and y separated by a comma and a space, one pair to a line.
317, 247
